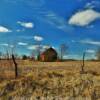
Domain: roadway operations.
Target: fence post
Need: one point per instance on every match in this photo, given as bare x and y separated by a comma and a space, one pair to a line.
15, 64
83, 63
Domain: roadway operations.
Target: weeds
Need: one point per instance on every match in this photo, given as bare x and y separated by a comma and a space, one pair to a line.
48, 84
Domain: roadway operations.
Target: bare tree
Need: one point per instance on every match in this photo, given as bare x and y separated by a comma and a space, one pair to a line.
38, 40
0, 55
98, 54
63, 50
7, 54
32, 55
38, 51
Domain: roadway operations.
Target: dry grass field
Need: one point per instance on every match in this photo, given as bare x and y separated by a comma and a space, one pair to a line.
50, 81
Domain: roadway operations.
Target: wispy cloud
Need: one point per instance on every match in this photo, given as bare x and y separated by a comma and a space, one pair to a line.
54, 20
28, 3
91, 42
84, 18
26, 24
92, 4
88, 41
38, 38
35, 47
4, 29
20, 30
90, 54
7, 45
72, 56
90, 51
4, 44
26, 37
22, 43
46, 46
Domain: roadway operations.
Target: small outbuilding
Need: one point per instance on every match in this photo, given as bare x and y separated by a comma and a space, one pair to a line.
49, 55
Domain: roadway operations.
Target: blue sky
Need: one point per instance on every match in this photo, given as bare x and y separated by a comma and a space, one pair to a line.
24, 23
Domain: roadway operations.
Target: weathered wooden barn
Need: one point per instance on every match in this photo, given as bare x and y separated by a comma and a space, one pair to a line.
49, 55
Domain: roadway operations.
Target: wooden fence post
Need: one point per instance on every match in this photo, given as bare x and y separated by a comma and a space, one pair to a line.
83, 63
15, 64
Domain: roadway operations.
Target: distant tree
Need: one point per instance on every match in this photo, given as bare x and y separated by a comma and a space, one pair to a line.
38, 41
1, 55
38, 50
98, 54
63, 50
24, 57
7, 54
32, 57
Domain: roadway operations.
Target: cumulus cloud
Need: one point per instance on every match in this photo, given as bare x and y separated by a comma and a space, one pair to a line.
38, 38
84, 18
22, 44
4, 29
26, 24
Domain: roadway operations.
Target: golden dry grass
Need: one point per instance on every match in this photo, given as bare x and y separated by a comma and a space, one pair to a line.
51, 81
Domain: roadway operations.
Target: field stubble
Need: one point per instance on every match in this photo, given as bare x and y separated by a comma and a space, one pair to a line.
50, 81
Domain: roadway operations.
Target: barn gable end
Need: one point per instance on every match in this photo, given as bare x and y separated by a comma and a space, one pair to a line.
49, 55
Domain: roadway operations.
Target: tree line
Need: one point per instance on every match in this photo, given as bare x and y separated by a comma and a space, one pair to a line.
62, 52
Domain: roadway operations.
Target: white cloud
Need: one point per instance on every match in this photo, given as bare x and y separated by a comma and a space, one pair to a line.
89, 5
55, 20
22, 44
90, 26
84, 18
12, 46
88, 41
4, 44
72, 56
20, 30
26, 24
28, 3
38, 38
46, 47
90, 51
91, 42
7, 45
92, 4
33, 47
4, 29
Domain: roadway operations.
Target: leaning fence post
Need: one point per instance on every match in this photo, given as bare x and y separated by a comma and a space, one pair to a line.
83, 63
15, 64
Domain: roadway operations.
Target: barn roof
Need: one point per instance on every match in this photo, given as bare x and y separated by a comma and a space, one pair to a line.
49, 50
